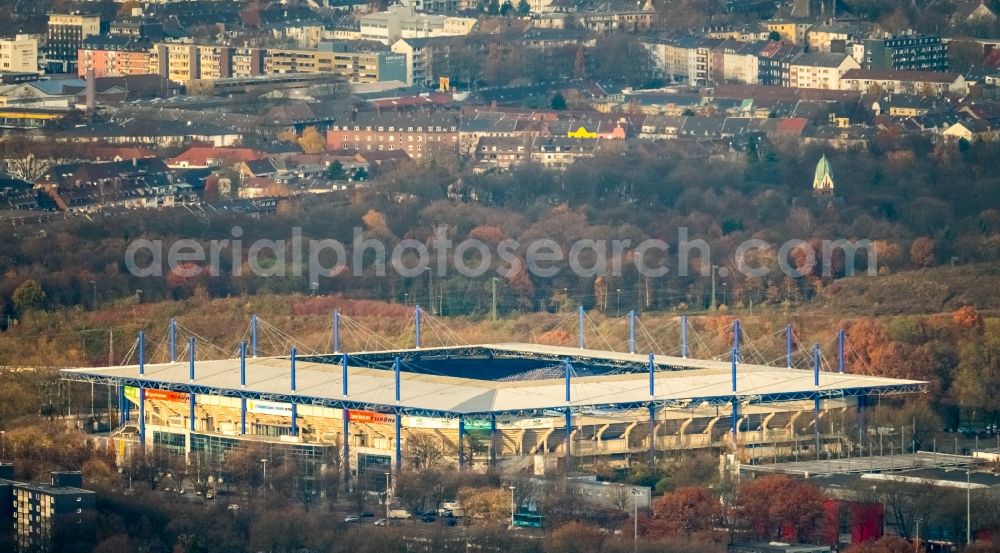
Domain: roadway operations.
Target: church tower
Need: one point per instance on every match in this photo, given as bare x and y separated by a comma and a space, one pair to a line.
823, 180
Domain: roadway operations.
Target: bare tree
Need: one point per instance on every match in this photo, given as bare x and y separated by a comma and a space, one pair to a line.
424, 451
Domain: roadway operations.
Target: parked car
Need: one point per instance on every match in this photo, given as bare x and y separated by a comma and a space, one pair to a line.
382, 522
352, 518
428, 518
367, 514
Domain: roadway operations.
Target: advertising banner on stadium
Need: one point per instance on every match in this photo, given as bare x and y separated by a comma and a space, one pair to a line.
430, 422
355, 415
510, 423
443, 423
261, 407
132, 393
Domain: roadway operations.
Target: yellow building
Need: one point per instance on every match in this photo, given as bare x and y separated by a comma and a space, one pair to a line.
177, 62
792, 31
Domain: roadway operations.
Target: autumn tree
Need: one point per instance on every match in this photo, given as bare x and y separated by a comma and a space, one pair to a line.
686, 511
29, 295
575, 537
486, 505
312, 141
778, 507
922, 252
977, 376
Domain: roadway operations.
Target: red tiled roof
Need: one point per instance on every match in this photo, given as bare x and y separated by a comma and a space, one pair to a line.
905, 76
198, 156
792, 125
110, 152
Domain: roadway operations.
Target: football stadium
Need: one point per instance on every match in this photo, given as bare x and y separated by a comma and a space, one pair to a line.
508, 406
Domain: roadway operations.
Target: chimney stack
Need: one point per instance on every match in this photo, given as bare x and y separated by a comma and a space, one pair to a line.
91, 92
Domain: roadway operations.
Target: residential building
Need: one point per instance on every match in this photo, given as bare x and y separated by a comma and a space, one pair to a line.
820, 70
417, 135
138, 26
360, 67
789, 29
66, 33
184, 63
906, 53
417, 53
774, 63
926, 83
247, 62
114, 56
559, 152
500, 152
458, 26
399, 22
203, 157
739, 62
432, 5
93, 186
39, 512
671, 55
699, 70
177, 62
831, 37
491, 124
639, 16
304, 34
970, 130
19, 54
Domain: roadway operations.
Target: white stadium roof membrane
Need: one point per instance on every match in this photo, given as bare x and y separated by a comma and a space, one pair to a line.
678, 382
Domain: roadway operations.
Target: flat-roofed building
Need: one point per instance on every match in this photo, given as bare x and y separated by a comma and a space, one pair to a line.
19, 54
66, 33
115, 56
39, 512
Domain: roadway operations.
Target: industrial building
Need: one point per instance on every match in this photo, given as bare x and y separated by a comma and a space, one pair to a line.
513, 406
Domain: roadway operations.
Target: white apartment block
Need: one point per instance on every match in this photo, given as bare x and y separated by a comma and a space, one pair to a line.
19, 54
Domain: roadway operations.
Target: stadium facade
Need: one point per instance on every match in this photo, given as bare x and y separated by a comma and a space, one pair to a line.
513, 406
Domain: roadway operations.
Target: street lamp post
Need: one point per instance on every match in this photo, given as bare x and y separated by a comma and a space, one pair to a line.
94, 304
387, 475
619, 309
635, 521
263, 463
713, 305
968, 507
512, 505
430, 288
3, 438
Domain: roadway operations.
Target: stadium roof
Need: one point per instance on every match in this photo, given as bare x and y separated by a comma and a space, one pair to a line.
679, 382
